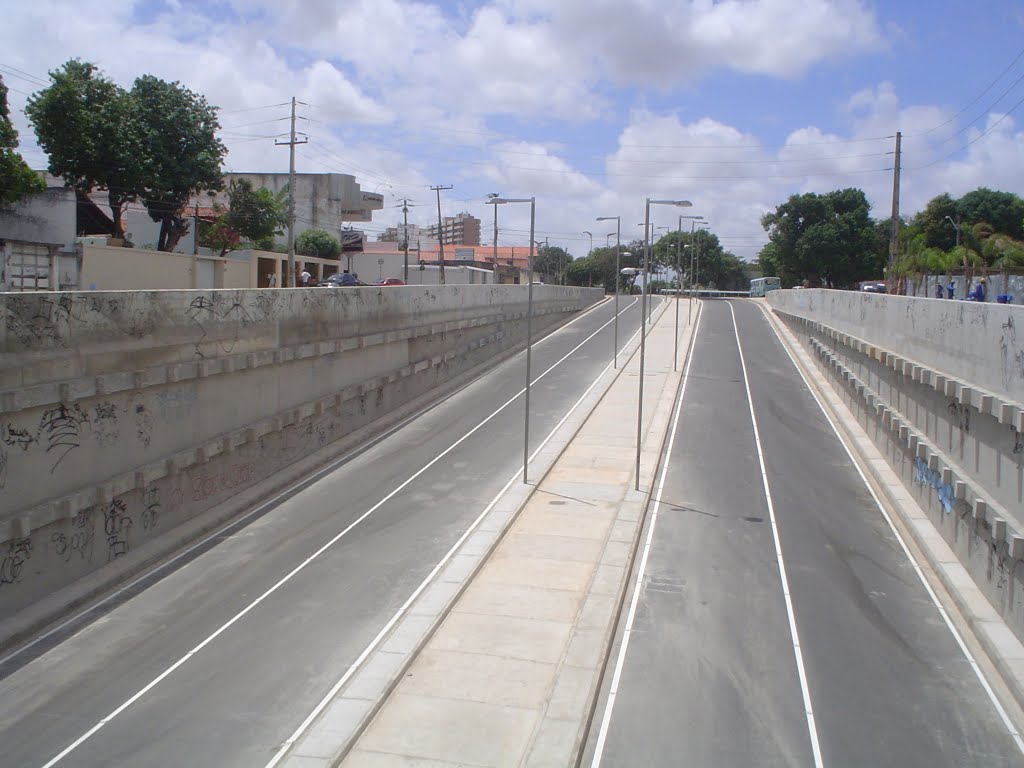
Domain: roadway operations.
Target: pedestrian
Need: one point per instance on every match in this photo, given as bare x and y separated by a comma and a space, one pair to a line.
978, 294
304, 277
938, 290
950, 289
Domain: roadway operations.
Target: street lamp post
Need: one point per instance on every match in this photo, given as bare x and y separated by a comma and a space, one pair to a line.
693, 270
490, 197
679, 282
618, 247
529, 321
643, 333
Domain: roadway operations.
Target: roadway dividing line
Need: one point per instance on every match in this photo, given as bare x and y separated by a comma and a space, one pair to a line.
287, 577
304, 726
1013, 731
805, 690
641, 570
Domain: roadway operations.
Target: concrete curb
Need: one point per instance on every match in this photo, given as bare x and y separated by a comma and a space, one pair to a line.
329, 733
1003, 650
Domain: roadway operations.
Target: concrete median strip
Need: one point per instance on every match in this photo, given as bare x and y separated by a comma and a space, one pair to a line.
498, 660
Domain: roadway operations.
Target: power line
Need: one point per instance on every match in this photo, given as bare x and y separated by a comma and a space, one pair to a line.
977, 98
976, 138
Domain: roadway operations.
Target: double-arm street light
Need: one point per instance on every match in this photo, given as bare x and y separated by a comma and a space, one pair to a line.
643, 333
529, 319
618, 249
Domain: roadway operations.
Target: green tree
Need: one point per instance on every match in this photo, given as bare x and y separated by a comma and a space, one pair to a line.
182, 153
258, 215
87, 126
551, 260
823, 237
317, 242
1004, 211
934, 222
16, 178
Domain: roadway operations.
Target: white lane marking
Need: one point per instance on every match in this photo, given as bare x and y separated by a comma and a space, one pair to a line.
85, 736
291, 490
1014, 732
326, 700
627, 632
805, 690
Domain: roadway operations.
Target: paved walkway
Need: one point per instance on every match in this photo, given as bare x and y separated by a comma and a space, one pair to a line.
508, 678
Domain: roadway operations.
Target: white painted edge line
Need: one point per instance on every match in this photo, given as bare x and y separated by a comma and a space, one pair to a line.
279, 497
641, 570
1014, 733
287, 577
812, 729
326, 700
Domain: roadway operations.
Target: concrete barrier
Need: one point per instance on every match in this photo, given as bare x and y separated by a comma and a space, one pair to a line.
950, 424
126, 414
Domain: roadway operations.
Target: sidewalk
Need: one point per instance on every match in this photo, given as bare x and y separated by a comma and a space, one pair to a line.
509, 677
510, 674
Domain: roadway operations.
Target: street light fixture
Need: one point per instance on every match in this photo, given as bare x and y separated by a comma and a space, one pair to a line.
529, 319
956, 226
618, 247
591, 236
643, 333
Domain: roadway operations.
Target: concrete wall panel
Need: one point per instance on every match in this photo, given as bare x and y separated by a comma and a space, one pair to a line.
123, 415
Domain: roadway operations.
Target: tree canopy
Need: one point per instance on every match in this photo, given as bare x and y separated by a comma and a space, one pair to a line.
156, 143
319, 243
821, 237
87, 126
182, 154
551, 260
16, 178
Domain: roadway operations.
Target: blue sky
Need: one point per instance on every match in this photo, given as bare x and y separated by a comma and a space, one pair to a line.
590, 105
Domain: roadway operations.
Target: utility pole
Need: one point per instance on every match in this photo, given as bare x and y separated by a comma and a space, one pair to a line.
894, 230
405, 238
195, 230
492, 196
292, 141
440, 233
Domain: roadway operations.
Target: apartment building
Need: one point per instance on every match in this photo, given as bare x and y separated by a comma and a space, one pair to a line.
461, 229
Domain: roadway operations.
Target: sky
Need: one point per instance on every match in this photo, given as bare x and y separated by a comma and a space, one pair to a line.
590, 106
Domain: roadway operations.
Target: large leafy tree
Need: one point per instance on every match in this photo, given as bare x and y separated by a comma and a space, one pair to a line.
178, 134
1004, 211
87, 126
251, 215
16, 178
319, 243
935, 222
822, 237
551, 260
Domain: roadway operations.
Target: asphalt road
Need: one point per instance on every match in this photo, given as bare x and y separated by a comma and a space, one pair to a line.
246, 690
710, 675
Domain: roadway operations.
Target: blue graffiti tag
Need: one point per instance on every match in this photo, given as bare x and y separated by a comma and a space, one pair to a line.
933, 479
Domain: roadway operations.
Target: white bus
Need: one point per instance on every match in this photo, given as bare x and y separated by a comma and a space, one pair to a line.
759, 286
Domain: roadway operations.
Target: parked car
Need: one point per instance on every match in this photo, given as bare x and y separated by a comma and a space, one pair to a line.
340, 280
390, 281
873, 286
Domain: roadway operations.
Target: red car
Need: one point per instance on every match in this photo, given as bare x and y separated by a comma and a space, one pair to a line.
389, 281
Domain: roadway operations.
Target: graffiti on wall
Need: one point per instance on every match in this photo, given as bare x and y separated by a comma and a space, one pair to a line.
932, 478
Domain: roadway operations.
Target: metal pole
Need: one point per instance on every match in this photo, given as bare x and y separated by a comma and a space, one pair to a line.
643, 337
529, 341
440, 234
495, 279
405, 239
689, 307
291, 202
618, 245
679, 284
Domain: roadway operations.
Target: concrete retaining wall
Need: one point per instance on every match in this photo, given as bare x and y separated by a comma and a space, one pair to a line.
958, 447
126, 414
